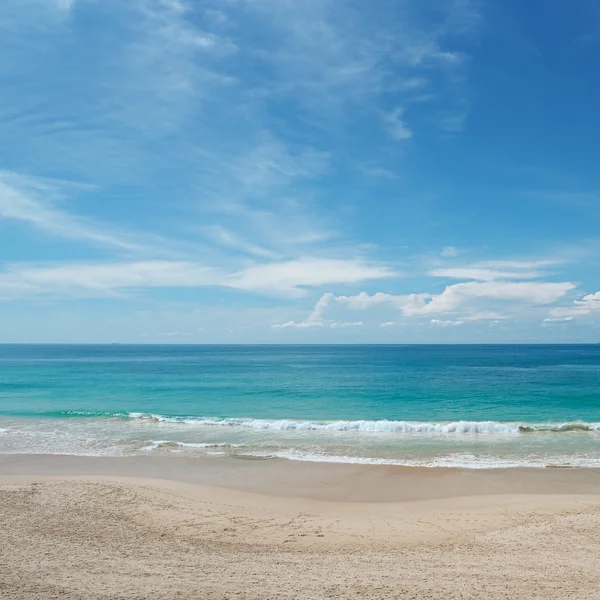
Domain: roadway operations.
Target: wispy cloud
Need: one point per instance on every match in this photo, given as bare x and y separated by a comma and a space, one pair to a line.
521, 264
449, 252
291, 277
44, 205
104, 279
259, 194
287, 279
33, 200
396, 126
175, 65
271, 163
18, 10
492, 270
196, 79
376, 172
446, 323
484, 315
224, 237
328, 57
318, 324
558, 319
64, 4
482, 274
233, 145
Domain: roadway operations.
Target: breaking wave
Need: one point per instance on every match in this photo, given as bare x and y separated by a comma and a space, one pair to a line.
384, 426
158, 444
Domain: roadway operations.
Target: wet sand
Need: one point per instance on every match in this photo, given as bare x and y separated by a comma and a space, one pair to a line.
172, 527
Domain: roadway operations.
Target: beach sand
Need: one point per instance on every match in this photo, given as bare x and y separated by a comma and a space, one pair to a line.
172, 527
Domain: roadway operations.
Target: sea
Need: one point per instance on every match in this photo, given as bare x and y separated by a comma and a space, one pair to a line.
469, 406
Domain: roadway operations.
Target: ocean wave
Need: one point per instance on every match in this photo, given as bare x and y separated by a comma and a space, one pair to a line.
377, 426
382, 426
158, 444
81, 414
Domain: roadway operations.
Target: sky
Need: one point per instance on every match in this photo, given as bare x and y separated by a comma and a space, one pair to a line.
299, 171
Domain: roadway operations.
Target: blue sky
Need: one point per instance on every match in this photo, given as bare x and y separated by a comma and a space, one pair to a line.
278, 171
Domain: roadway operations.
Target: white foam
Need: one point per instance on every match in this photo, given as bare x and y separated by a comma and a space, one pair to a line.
435, 444
383, 426
457, 461
157, 444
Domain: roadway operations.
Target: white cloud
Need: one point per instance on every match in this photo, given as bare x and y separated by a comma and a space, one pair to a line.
407, 304
396, 126
165, 70
329, 57
364, 300
65, 5
30, 7
105, 279
41, 204
454, 297
182, 66
378, 172
253, 193
271, 163
315, 319
558, 320
485, 315
320, 307
491, 270
320, 324
173, 59
338, 324
453, 121
32, 200
519, 264
443, 323
291, 276
223, 236
449, 252
482, 274
467, 302
589, 304
297, 325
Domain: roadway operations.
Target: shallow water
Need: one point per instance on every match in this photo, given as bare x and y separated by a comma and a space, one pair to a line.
473, 406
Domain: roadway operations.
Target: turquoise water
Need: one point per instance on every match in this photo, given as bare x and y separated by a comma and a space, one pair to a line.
473, 406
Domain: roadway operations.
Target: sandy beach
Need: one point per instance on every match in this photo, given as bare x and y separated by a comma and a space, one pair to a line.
164, 527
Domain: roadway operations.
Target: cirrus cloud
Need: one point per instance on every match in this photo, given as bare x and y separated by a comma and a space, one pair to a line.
288, 278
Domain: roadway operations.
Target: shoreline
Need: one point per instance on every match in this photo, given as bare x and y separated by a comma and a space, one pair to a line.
337, 482
452, 444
